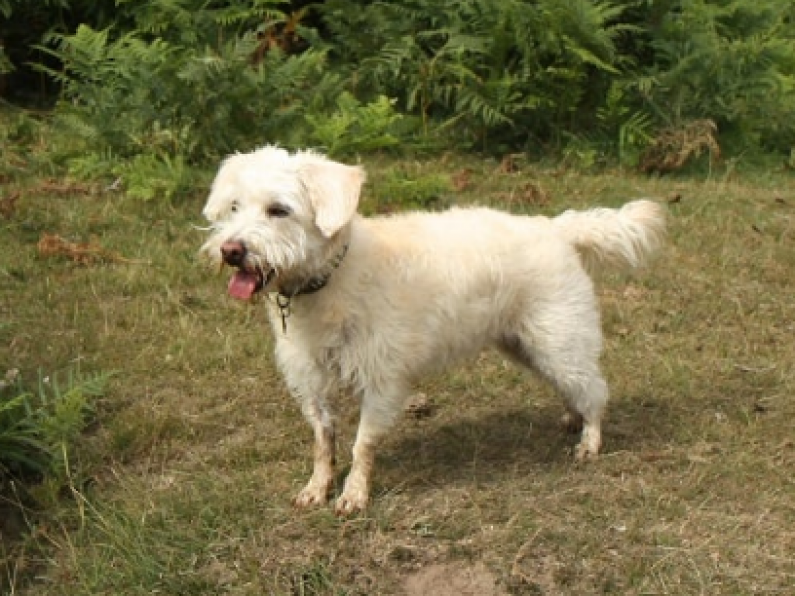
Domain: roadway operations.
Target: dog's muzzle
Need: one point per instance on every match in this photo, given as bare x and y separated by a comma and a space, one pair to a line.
249, 278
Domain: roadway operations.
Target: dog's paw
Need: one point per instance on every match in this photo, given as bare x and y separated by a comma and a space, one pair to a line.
353, 498
589, 445
583, 453
312, 495
350, 504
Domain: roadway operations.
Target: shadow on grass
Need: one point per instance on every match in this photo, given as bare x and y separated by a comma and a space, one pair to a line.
496, 445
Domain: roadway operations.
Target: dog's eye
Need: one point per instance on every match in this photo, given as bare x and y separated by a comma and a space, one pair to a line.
234, 207
278, 211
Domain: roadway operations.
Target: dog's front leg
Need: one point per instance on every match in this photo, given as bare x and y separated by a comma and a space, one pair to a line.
357, 485
311, 389
317, 489
378, 413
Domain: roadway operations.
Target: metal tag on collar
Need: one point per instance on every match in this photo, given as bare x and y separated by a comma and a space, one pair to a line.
283, 303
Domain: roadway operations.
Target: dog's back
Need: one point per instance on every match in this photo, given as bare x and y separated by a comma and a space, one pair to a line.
624, 238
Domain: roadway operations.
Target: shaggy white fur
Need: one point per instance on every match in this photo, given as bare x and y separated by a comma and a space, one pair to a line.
372, 304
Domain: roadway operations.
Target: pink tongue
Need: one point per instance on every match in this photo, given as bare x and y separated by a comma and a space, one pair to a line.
243, 285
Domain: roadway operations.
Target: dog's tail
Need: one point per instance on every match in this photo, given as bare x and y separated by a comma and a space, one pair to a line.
624, 237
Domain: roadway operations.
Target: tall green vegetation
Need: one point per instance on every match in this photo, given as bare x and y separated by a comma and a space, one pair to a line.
510, 70
732, 61
40, 424
149, 89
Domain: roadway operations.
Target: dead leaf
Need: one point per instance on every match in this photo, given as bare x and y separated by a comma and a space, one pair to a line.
419, 406
634, 293
673, 147
462, 179
65, 187
509, 164
8, 205
51, 245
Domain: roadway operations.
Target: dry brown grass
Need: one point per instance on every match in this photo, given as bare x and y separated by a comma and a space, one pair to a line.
199, 449
677, 146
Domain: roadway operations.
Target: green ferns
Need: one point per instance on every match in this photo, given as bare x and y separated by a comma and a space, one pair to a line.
131, 96
152, 90
504, 69
731, 61
39, 426
355, 128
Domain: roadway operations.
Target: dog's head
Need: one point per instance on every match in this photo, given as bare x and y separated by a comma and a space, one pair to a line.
277, 216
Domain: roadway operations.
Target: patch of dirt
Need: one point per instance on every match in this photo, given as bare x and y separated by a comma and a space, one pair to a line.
453, 579
419, 406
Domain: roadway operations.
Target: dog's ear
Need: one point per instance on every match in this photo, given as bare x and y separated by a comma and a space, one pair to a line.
333, 190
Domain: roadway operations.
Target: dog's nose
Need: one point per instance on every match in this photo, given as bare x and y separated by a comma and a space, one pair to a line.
233, 252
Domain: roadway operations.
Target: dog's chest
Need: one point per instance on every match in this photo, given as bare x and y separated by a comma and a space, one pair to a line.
331, 338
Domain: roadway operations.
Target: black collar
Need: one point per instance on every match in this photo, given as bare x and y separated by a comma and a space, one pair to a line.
318, 282
314, 284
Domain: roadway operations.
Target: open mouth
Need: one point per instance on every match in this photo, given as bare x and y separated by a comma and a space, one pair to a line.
247, 282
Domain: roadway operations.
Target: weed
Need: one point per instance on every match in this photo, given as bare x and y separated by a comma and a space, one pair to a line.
39, 427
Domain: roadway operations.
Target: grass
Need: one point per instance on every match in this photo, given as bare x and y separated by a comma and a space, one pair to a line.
198, 449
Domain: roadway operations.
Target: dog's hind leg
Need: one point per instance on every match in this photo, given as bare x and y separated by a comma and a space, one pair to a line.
567, 355
586, 398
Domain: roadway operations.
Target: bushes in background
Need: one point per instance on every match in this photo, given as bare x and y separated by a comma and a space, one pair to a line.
147, 90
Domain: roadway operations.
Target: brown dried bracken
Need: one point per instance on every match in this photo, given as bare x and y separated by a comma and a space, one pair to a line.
65, 187
284, 36
677, 145
462, 179
83, 252
533, 193
8, 205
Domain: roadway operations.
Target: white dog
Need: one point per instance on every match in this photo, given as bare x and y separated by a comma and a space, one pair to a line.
371, 304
